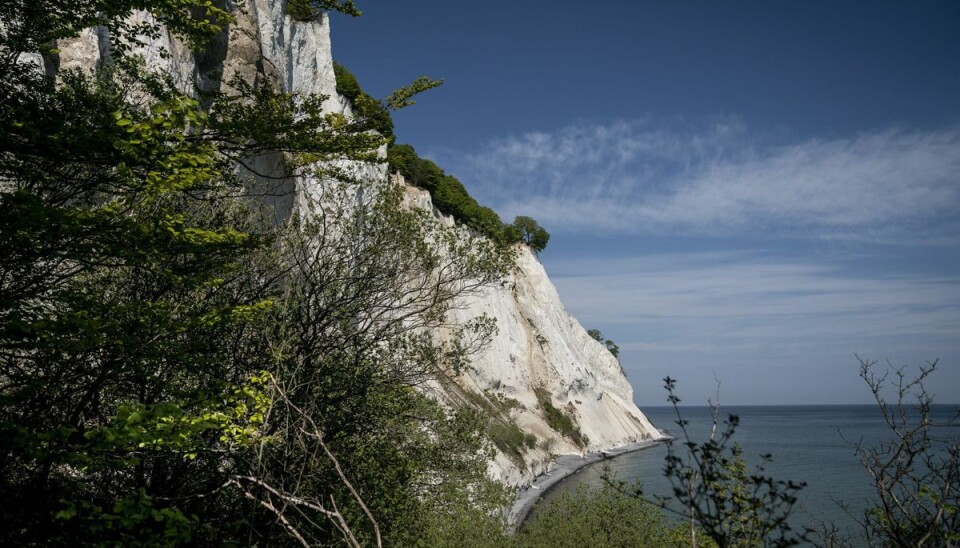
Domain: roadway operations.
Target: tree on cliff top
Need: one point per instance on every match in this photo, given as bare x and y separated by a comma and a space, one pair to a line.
531, 233
311, 10
613, 347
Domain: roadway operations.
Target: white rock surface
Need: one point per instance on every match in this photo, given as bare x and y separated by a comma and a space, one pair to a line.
538, 345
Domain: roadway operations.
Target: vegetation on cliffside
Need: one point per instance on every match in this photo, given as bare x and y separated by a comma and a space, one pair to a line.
176, 368
446, 191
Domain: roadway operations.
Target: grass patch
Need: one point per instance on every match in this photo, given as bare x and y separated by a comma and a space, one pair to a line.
510, 440
506, 436
372, 113
557, 419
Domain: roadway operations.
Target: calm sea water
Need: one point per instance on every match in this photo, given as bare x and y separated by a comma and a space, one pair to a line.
808, 443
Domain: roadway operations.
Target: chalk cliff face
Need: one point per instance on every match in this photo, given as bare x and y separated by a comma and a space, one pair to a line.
541, 364
541, 352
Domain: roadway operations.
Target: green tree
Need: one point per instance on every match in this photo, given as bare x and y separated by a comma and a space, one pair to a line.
152, 322
531, 233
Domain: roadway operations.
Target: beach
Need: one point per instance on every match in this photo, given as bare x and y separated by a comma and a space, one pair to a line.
563, 466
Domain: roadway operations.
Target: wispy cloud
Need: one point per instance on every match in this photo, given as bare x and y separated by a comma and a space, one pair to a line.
707, 300
718, 177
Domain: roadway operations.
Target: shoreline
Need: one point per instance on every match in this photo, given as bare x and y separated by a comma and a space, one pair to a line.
562, 467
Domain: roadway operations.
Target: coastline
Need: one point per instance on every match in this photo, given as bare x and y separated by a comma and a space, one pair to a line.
562, 467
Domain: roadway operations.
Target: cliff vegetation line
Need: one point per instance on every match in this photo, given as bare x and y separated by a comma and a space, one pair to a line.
446, 192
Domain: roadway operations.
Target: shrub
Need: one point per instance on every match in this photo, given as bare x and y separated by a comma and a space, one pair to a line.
370, 113
558, 420
311, 10
451, 197
301, 10
599, 517
510, 440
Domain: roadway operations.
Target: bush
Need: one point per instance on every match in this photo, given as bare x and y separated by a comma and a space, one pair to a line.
311, 10
558, 420
510, 440
370, 113
302, 10
451, 197
599, 517
447, 192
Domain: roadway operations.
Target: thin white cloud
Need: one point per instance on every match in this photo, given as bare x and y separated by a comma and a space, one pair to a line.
633, 177
712, 300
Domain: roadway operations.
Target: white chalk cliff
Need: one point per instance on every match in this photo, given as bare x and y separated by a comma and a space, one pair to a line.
540, 352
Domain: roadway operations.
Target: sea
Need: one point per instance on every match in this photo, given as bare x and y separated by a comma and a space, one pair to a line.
812, 444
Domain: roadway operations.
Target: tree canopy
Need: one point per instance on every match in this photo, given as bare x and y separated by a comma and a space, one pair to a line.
531, 233
451, 198
175, 365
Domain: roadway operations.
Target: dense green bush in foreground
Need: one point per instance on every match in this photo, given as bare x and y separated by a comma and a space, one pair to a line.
600, 517
177, 368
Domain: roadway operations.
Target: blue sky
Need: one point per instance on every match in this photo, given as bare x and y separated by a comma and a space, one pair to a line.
756, 191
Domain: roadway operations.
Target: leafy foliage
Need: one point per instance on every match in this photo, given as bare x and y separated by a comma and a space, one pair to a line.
451, 198
510, 440
35, 25
352, 337
311, 10
531, 233
449, 195
599, 517
371, 113
557, 419
403, 97
596, 335
730, 506
169, 354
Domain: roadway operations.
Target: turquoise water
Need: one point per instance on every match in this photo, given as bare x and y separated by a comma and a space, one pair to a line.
807, 443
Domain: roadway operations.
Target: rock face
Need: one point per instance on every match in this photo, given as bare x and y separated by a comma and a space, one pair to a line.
542, 354
542, 376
